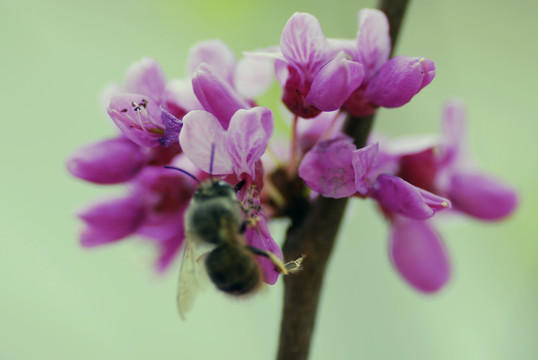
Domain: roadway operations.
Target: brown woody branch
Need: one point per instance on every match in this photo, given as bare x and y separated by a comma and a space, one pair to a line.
313, 233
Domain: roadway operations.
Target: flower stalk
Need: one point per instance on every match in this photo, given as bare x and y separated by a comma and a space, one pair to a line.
315, 235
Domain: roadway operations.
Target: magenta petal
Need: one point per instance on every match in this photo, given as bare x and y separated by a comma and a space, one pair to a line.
327, 168
111, 220
253, 76
373, 40
400, 197
259, 237
247, 138
216, 95
172, 127
168, 250
482, 196
214, 53
364, 162
201, 130
179, 98
145, 77
138, 118
303, 43
418, 254
454, 120
398, 80
110, 161
334, 82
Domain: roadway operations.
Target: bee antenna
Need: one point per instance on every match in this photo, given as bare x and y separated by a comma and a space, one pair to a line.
211, 161
184, 172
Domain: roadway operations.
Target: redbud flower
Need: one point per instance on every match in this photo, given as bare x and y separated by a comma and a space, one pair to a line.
109, 161
387, 83
315, 77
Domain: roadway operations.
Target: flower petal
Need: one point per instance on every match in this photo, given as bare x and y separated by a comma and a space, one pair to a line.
364, 162
303, 43
454, 119
399, 79
179, 98
482, 196
215, 53
260, 237
373, 40
335, 81
202, 130
110, 161
253, 76
327, 168
327, 124
138, 118
216, 95
111, 220
247, 138
145, 77
418, 254
172, 127
398, 196
168, 250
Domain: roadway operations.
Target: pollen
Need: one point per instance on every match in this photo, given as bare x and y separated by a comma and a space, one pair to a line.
444, 204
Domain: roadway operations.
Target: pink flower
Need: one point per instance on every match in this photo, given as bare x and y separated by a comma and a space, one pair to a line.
387, 83
314, 76
109, 161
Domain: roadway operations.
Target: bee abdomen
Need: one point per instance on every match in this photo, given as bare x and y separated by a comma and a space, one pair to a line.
233, 270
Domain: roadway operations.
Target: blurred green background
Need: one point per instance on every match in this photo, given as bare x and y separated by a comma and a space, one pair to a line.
60, 301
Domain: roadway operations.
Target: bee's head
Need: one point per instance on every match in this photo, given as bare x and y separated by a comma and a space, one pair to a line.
214, 189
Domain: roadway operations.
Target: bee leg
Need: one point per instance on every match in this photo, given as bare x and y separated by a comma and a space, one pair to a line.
239, 185
279, 265
295, 265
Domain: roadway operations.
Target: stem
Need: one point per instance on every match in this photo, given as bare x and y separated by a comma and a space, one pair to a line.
313, 233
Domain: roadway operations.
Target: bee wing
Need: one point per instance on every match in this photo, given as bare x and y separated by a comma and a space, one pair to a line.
192, 277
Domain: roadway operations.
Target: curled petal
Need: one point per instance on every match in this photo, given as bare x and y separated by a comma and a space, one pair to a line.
327, 168
399, 79
110, 161
303, 43
138, 118
334, 82
417, 252
247, 138
111, 220
482, 196
259, 237
253, 76
215, 53
400, 197
145, 77
373, 40
172, 127
201, 130
216, 95
364, 162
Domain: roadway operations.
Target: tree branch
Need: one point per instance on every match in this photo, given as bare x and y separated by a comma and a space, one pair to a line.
313, 233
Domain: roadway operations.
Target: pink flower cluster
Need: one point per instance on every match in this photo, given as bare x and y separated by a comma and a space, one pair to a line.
210, 121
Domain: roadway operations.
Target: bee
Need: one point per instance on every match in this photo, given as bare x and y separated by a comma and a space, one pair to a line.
216, 218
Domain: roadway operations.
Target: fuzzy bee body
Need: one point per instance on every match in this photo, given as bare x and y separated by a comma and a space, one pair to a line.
216, 218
